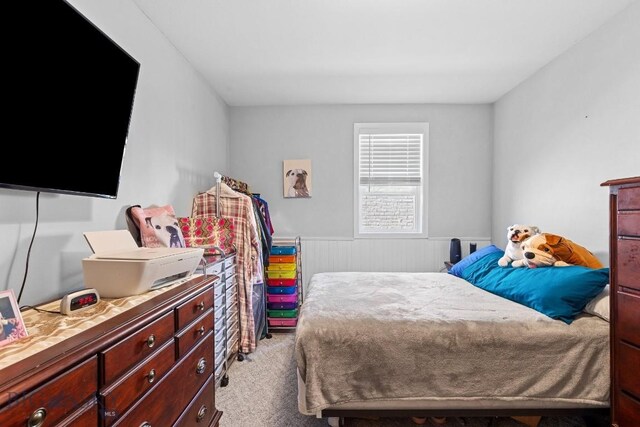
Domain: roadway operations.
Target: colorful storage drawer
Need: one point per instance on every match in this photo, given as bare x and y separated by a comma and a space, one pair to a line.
287, 290
282, 266
283, 250
282, 298
282, 313
282, 305
281, 274
282, 282
282, 258
282, 322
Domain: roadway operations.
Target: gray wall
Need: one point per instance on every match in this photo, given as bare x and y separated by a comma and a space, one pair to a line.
177, 139
564, 131
460, 150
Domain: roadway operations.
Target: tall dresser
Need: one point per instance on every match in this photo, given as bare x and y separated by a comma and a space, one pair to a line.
226, 314
143, 361
624, 249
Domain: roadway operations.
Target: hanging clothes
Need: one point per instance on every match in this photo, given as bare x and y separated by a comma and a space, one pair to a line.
264, 208
237, 185
265, 233
239, 208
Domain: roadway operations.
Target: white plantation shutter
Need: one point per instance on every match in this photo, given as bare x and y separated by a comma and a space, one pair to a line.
389, 160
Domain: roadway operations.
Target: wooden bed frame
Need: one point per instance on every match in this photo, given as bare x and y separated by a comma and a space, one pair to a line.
593, 417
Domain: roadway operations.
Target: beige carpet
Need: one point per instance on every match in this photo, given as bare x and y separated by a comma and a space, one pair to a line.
262, 392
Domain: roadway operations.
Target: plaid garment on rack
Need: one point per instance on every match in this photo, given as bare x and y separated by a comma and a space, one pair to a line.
239, 208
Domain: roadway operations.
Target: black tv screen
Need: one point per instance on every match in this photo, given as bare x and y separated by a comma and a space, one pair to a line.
70, 96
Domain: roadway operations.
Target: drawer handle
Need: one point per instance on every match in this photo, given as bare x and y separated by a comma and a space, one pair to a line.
202, 412
201, 330
151, 376
202, 366
37, 418
200, 305
145, 424
151, 341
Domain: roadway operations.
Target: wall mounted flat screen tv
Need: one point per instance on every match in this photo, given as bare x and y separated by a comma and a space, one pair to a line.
68, 95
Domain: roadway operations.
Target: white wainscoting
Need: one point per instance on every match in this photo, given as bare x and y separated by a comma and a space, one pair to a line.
340, 254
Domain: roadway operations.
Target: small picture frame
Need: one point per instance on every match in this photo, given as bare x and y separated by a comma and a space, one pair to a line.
297, 178
12, 326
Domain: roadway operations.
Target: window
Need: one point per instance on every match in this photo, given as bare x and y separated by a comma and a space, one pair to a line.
390, 179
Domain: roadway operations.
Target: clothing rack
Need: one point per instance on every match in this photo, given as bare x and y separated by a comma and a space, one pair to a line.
218, 178
243, 187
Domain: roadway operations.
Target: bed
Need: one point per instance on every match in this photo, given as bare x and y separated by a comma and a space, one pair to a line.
422, 344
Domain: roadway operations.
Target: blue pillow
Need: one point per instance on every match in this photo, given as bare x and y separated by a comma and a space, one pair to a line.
559, 292
459, 267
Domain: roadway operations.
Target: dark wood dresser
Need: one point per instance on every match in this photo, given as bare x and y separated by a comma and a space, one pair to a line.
151, 364
625, 300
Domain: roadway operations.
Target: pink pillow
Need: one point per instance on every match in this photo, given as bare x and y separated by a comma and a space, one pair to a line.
158, 227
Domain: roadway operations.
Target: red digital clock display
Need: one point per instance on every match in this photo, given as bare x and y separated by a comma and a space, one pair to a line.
83, 301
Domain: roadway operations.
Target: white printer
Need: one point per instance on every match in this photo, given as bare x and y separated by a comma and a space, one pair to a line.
119, 268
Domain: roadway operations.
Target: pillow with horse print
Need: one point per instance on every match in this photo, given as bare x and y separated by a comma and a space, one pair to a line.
158, 227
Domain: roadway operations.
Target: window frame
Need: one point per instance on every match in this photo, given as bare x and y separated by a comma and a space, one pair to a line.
395, 127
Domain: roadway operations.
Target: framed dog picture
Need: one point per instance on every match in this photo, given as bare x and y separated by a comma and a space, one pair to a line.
297, 178
11, 325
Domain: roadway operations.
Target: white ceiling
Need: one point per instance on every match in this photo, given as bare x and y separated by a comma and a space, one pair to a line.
284, 52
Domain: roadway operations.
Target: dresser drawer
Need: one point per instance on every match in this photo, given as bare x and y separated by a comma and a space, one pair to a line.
219, 368
626, 411
231, 299
232, 315
629, 263
218, 289
219, 337
118, 397
629, 223
230, 273
219, 315
220, 351
216, 268
220, 325
56, 399
219, 303
187, 312
201, 409
131, 350
164, 403
86, 416
194, 332
628, 363
282, 258
232, 287
629, 198
628, 318
232, 342
230, 262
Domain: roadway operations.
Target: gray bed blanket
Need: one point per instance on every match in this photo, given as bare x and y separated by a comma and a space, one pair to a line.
381, 336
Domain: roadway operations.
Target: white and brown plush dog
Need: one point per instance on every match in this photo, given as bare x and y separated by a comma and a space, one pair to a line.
297, 183
548, 249
516, 234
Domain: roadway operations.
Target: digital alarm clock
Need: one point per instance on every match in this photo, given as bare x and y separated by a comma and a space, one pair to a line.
78, 301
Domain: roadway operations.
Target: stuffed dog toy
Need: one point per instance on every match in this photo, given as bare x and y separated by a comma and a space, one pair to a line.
547, 249
516, 234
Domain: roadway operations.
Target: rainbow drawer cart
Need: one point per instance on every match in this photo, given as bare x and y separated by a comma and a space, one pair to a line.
284, 285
